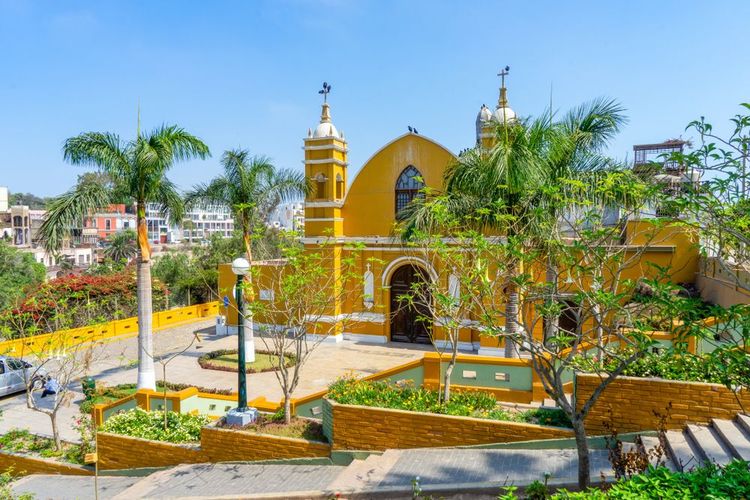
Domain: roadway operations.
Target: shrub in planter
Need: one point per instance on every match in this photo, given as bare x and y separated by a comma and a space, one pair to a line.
407, 397
181, 427
403, 396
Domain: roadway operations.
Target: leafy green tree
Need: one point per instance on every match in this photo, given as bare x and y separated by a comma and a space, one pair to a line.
32, 201
18, 272
121, 246
297, 312
137, 168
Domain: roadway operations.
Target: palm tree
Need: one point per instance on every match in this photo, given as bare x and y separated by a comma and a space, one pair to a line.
252, 187
122, 246
137, 168
505, 189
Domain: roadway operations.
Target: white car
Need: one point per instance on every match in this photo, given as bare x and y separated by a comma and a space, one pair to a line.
15, 372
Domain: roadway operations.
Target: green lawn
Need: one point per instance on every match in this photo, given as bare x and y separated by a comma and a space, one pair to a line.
227, 361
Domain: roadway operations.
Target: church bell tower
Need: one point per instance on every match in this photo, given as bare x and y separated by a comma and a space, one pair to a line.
325, 168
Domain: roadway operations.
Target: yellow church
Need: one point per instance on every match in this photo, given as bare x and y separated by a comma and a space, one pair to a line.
364, 211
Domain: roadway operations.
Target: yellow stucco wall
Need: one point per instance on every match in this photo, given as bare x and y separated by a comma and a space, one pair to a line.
369, 208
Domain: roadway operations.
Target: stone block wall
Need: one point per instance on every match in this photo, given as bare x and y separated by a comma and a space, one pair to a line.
124, 452
20, 465
630, 403
367, 428
217, 445
223, 445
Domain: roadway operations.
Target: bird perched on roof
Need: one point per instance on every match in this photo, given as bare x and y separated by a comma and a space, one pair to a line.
410, 129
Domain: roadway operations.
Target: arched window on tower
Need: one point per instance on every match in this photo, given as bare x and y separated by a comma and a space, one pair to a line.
408, 186
339, 187
320, 180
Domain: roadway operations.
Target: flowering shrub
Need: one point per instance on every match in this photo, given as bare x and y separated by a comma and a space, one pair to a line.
181, 427
77, 300
407, 397
401, 396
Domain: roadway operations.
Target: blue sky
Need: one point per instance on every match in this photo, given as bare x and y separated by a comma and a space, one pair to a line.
247, 73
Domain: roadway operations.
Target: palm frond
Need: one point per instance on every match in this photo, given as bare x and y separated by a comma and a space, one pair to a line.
68, 211
103, 150
170, 202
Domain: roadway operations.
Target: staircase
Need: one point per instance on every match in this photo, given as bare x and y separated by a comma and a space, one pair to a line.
720, 442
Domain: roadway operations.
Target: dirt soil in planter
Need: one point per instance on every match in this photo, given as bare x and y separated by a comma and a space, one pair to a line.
300, 428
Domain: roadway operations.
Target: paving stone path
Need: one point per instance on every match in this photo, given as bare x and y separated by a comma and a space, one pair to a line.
444, 472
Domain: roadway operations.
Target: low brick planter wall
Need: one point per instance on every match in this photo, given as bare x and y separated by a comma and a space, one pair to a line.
630, 403
21, 465
216, 445
125, 452
352, 427
224, 445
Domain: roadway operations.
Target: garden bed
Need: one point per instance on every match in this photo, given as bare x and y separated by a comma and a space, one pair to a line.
382, 394
672, 365
227, 360
22, 442
299, 428
139, 423
107, 394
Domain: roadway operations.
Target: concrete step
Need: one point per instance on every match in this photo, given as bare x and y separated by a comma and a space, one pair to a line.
743, 421
734, 437
367, 473
681, 451
710, 444
649, 445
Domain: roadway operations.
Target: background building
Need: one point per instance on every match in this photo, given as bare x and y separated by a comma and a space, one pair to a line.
106, 223
199, 224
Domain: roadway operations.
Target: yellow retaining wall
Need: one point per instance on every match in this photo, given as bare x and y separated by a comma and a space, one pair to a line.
19, 465
629, 403
225, 445
105, 332
217, 445
367, 428
124, 452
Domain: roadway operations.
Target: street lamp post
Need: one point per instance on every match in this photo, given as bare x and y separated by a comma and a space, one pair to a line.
242, 415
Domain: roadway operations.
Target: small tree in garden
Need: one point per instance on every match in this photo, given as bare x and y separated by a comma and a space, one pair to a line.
295, 302
167, 355
719, 207
65, 361
602, 323
456, 255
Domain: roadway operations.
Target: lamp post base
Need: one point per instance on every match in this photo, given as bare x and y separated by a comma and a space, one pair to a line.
241, 416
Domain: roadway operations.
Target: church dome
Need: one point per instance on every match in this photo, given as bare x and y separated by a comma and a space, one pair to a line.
504, 114
325, 129
484, 114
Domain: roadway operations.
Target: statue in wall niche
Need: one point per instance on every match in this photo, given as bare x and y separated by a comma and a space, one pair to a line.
369, 293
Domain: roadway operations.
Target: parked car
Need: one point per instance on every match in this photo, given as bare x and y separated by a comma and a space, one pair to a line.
15, 372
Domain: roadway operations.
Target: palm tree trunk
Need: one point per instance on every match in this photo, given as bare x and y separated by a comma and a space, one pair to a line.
146, 374
248, 323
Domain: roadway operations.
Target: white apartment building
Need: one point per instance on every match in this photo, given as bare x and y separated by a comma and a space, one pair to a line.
198, 224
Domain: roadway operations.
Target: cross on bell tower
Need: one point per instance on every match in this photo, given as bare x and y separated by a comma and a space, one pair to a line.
503, 100
325, 91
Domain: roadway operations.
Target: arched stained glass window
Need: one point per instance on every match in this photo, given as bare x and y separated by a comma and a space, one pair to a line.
408, 186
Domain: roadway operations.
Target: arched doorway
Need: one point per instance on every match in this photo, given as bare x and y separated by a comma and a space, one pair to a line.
408, 319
